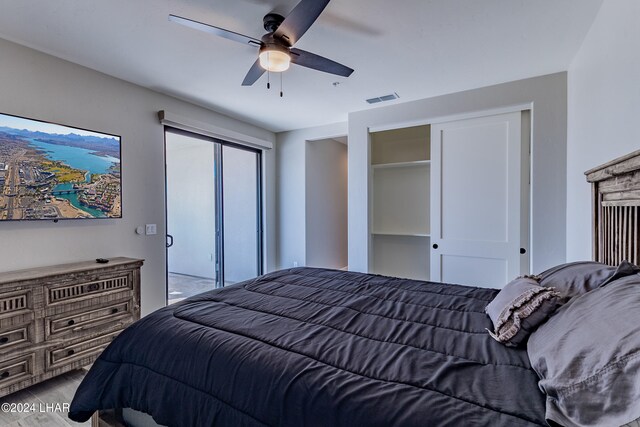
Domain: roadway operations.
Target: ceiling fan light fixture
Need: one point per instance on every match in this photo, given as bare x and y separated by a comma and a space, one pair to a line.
274, 60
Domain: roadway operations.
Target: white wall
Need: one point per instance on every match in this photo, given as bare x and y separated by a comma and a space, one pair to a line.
549, 97
40, 86
290, 187
291, 190
326, 204
191, 209
604, 107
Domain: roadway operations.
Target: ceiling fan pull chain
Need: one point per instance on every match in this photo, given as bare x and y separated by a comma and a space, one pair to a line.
268, 75
280, 85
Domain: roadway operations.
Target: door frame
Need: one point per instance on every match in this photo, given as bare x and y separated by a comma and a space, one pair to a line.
219, 210
453, 117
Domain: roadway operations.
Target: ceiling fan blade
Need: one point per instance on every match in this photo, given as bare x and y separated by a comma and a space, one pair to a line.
221, 32
254, 73
320, 63
299, 20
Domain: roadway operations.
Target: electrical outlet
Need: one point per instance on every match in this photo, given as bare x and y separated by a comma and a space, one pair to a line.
295, 263
150, 229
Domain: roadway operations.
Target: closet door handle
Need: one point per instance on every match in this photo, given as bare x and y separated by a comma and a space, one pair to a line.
435, 246
523, 251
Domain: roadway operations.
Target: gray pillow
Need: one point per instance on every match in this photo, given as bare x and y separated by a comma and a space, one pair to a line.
578, 278
519, 308
588, 357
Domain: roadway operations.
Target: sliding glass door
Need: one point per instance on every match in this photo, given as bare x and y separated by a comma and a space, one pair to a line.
213, 202
241, 213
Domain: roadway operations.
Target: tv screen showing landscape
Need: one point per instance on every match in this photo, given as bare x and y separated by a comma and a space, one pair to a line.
50, 172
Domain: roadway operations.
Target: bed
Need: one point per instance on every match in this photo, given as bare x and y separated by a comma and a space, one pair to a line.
319, 347
307, 346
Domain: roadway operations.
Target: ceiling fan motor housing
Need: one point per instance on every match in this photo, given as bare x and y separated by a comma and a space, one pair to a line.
271, 44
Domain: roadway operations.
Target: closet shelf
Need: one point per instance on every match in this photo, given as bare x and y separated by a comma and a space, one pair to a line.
402, 164
386, 233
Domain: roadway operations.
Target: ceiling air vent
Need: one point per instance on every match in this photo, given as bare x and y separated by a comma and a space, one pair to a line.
389, 97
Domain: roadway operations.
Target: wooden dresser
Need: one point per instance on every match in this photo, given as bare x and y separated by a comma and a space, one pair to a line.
59, 318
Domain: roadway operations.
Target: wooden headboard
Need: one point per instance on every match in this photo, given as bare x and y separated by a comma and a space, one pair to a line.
616, 210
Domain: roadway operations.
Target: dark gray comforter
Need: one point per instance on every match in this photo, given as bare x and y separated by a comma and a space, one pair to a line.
315, 347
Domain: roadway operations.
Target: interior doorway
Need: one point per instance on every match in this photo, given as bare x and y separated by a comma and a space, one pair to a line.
213, 207
326, 200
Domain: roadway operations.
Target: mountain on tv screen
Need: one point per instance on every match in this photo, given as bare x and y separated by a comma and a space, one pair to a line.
50, 172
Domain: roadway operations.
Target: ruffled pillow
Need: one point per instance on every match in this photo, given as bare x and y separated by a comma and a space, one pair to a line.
519, 308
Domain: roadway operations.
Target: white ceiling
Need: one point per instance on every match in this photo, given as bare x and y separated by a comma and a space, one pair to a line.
417, 48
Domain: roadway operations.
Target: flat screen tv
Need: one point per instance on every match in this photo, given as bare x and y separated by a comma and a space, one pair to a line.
50, 171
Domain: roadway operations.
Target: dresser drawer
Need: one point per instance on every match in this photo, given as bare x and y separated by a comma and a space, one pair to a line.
17, 369
115, 315
16, 308
88, 286
16, 337
71, 353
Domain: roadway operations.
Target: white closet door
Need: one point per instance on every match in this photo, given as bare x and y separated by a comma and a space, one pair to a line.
476, 200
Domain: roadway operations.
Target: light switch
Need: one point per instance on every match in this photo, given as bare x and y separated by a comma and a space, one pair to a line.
150, 229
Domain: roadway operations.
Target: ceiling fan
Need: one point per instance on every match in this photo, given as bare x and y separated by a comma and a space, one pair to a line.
276, 51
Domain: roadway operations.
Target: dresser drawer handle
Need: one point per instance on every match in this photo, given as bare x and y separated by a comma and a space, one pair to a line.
114, 310
71, 322
70, 352
5, 374
4, 340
